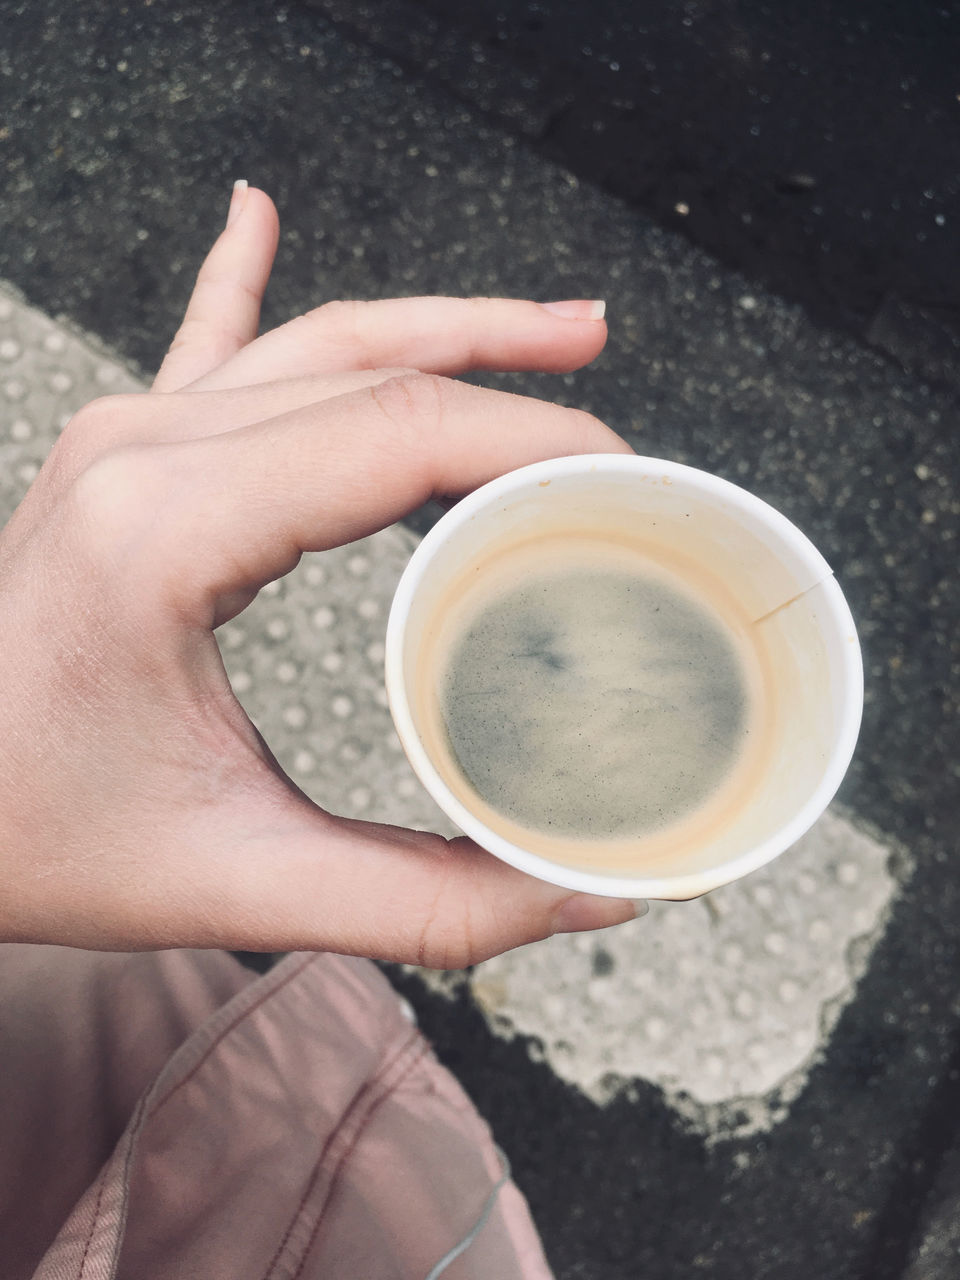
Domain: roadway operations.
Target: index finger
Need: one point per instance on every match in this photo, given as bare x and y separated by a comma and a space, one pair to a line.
223, 313
247, 503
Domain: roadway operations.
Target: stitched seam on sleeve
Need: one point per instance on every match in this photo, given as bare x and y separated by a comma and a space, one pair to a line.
244, 1013
146, 1111
93, 1224
394, 1071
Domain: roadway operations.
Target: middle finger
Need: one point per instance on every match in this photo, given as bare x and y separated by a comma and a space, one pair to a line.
449, 336
189, 415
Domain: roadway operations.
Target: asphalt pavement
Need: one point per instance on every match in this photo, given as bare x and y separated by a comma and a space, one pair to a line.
410, 155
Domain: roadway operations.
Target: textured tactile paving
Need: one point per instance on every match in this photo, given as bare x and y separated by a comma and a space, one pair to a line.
724, 999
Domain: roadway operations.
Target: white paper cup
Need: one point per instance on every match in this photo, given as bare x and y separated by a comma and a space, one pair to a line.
780, 581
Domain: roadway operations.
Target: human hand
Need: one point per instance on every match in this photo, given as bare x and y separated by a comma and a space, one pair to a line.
139, 808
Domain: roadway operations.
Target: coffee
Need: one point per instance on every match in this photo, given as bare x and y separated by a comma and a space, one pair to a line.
587, 696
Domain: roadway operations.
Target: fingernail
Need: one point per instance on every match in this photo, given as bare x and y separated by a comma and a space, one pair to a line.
585, 911
237, 200
577, 309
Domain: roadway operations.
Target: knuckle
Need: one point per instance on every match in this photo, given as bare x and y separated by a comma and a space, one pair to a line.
217, 342
451, 935
97, 427
447, 953
187, 335
595, 435
116, 496
98, 424
339, 322
415, 403
336, 312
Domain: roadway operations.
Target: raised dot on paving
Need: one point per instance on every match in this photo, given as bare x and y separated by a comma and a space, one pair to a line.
271, 588
700, 1015
764, 896
278, 628
368, 608
21, 429
294, 717
304, 762
744, 1004
360, 797
597, 990
819, 931
341, 706
775, 943
15, 389
54, 343
241, 681
554, 1006
358, 565
788, 991
800, 1038
376, 653
687, 965
351, 751
60, 381
232, 636
848, 873
315, 574
406, 788
106, 375
641, 979
323, 617
28, 472
9, 349
332, 661
286, 672
6, 309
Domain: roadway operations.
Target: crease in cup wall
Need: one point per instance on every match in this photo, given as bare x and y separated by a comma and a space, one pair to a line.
780, 582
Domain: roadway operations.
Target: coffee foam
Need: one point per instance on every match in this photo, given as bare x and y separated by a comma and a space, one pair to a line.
602, 634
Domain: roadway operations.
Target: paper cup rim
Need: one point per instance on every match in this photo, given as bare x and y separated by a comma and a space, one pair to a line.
672, 887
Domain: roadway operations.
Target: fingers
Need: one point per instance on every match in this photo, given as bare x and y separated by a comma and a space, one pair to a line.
130, 419
435, 335
244, 505
223, 314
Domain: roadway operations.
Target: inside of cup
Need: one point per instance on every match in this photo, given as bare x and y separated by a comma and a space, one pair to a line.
781, 583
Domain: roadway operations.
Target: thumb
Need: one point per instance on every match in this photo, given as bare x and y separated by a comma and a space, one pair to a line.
223, 313
311, 881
